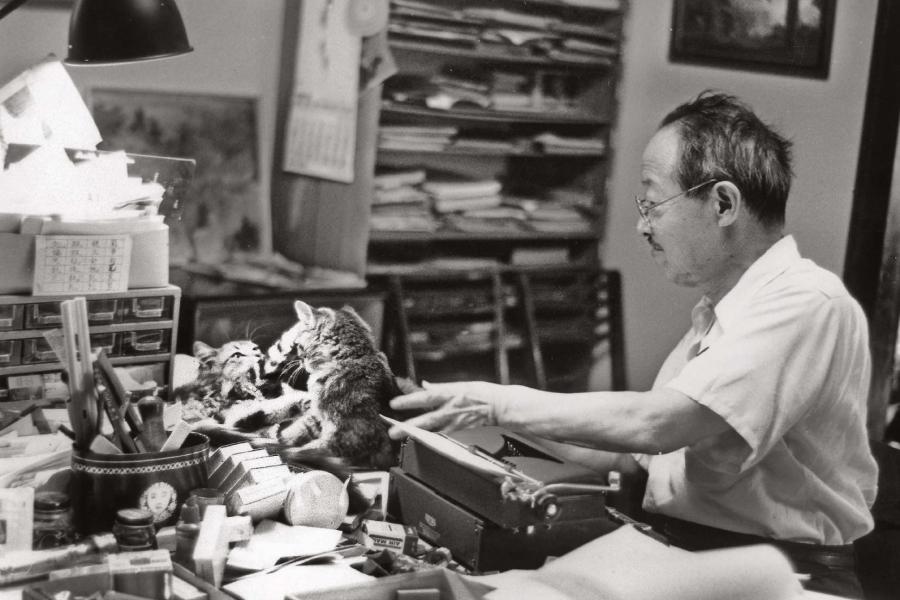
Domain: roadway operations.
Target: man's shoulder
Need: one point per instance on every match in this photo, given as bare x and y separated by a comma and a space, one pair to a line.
807, 275
808, 296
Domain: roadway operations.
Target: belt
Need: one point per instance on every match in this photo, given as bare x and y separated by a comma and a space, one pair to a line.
693, 536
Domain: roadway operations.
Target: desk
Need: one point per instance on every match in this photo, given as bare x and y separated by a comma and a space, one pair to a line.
216, 311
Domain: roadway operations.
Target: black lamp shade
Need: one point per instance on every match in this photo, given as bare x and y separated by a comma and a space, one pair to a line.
115, 31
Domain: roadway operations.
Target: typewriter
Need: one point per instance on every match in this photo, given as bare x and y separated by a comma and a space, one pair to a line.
499, 500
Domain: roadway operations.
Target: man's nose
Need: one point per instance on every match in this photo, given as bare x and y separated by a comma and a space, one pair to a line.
643, 227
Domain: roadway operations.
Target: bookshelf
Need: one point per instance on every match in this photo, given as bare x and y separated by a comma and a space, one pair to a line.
516, 101
506, 91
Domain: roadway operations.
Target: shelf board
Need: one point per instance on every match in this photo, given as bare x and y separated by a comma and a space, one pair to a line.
486, 53
392, 237
22, 334
479, 115
430, 271
451, 151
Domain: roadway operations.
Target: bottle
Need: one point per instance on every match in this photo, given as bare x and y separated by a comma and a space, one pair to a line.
186, 538
53, 525
134, 530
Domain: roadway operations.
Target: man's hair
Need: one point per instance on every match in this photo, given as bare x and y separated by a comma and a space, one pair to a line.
723, 139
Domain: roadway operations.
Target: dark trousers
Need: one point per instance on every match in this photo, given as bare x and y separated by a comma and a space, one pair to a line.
830, 569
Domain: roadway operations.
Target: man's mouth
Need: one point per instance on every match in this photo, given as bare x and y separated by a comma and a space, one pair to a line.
653, 245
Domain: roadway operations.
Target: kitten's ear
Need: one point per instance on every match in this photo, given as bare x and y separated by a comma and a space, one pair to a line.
203, 351
304, 312
352, 312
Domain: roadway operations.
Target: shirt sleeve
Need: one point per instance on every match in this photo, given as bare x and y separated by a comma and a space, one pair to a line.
765, 371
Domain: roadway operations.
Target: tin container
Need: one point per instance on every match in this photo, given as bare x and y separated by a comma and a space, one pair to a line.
158, 482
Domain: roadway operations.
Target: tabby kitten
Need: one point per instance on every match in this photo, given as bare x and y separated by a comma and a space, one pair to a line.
348, 383
319, 389
230, 391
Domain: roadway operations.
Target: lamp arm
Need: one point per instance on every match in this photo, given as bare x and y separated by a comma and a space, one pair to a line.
10, 6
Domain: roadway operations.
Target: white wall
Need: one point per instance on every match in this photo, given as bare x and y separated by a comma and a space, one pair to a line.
822, 117
237, 46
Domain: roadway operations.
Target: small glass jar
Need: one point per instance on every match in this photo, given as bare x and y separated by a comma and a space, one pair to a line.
185, 540
134, 530
53, 525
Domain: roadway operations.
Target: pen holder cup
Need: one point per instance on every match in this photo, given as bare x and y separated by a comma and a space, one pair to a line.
156, 481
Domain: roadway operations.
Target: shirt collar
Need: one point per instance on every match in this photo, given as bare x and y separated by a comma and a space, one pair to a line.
774, 261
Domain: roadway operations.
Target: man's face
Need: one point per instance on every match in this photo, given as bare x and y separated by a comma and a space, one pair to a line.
683, 233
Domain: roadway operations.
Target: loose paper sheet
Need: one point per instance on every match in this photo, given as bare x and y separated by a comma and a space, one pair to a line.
626, 564
273, 540
295, 580
452, 450
321, 134
81, 264
43, 105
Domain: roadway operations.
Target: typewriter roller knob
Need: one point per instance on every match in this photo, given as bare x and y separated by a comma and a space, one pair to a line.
547, 507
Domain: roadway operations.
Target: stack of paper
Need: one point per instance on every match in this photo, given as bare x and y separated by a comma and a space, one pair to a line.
455, 194
552, 143
398, 202
415, 137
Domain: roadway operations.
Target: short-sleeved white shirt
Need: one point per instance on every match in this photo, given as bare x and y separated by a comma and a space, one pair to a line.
785, 361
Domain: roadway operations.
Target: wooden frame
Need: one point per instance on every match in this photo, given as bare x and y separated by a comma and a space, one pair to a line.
871, 271
789, 38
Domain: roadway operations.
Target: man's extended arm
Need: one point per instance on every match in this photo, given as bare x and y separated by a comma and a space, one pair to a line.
647, 422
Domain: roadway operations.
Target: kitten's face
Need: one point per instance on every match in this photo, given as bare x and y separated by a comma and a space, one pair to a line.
321, 332
237, 363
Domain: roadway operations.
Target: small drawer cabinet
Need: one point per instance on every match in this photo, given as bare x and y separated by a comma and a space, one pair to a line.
137, 327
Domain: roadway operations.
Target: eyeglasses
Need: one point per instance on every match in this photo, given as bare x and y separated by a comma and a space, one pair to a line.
644, 209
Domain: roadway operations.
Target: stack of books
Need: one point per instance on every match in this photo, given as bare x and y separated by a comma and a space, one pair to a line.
456, 194
398, 203
549, 215
415, 138
551, 143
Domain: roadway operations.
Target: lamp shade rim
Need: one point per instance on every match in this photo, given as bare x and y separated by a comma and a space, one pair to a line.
96, 62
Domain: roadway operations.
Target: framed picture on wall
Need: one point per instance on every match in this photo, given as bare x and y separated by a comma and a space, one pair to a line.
223, 211
788, 37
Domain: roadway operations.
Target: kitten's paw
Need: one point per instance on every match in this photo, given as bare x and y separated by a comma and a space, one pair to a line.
207, 423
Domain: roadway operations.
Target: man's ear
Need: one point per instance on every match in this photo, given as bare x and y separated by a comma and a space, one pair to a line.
728, 202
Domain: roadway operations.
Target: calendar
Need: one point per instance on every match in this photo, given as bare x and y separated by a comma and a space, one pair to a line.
82, 264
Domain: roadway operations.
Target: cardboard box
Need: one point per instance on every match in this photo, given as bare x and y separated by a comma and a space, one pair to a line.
389, 536
452, 586
149, 261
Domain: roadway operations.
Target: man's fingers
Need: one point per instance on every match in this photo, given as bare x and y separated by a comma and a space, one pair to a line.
431, 421
418, 400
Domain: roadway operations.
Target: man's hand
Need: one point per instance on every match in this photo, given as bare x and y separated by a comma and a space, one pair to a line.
451, 406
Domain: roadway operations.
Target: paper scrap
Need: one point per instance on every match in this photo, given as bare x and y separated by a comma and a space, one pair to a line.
81, 264
272, 540
42, 105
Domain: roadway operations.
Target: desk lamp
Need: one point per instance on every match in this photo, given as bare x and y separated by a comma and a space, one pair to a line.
104, 32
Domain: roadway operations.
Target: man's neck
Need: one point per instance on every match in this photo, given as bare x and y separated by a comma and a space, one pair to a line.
742, 254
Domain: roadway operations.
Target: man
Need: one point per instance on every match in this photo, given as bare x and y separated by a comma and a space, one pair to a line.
754, 430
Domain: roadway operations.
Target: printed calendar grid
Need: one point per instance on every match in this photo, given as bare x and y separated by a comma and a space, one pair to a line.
84, 264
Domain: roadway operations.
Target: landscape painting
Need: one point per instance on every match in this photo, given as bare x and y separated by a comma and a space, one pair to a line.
790, 37
222, 211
